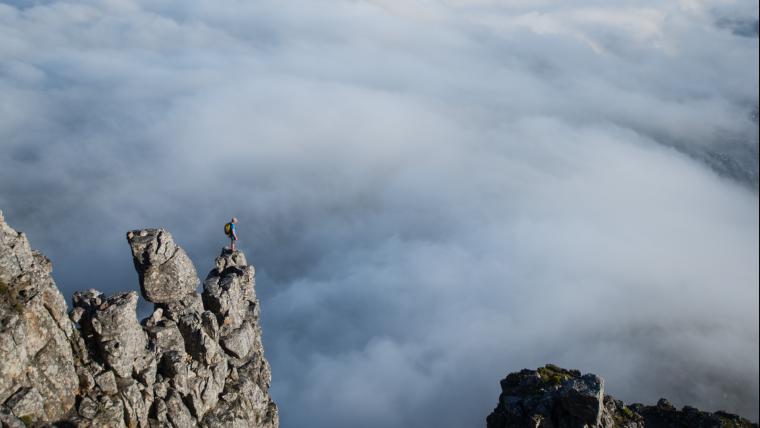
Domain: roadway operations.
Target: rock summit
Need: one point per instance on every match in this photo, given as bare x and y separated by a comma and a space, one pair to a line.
553, 397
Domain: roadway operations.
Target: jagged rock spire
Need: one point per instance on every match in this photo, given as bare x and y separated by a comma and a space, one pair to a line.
195, 361
166, 273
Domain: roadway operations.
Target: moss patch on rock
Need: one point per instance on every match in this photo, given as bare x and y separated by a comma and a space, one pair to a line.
554, 375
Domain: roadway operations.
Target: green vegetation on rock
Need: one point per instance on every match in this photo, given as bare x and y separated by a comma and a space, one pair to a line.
27, 420
554, 375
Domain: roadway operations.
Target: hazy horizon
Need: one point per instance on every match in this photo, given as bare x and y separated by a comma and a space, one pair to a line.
434, 193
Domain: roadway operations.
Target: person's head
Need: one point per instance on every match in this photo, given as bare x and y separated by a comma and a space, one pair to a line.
234, 220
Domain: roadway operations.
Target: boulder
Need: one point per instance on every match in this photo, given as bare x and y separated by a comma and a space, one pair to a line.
166, 272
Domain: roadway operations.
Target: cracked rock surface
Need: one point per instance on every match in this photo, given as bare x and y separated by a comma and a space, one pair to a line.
166, 272
197, 360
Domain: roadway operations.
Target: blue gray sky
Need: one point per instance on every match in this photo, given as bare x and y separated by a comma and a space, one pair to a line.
434, 193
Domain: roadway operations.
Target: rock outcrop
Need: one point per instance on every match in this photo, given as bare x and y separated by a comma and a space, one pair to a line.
38, 380
552, 397
166, 273
197, 360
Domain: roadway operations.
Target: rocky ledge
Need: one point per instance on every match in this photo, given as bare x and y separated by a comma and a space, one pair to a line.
197, 360
552, 397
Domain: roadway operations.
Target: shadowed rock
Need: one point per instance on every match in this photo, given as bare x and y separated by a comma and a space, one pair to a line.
553, 397
111, 326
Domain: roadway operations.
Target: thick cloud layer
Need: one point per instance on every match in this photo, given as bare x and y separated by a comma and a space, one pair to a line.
435, 193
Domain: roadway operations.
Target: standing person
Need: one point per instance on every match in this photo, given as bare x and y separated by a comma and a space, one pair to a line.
229, 230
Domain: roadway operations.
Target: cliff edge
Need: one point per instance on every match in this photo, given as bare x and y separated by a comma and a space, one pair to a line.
553, 397
197, 360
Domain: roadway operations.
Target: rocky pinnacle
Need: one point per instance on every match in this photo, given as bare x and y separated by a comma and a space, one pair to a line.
553, 397
166, 272
197, 360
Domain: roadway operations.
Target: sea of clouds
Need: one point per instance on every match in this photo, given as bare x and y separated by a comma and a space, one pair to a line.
434, 193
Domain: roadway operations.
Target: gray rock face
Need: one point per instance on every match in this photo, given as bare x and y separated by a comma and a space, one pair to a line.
110, 326
38, 380
195, 361
552, 397
583, 398
229, 295
166, 272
